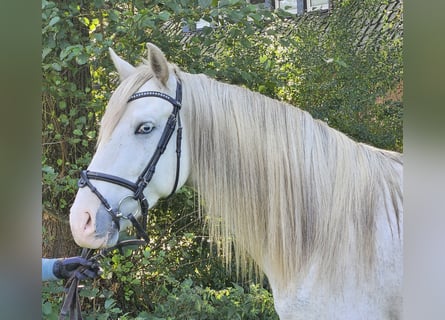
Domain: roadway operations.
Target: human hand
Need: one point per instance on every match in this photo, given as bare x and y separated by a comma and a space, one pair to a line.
78, 266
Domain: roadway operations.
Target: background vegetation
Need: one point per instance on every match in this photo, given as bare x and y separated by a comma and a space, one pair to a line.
318, 62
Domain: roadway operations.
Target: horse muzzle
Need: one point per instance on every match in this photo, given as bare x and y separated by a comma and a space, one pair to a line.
93, 228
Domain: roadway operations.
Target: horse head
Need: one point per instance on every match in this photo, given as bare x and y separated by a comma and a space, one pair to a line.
140, 155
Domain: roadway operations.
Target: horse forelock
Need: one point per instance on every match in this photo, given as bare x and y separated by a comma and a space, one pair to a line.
280, 185
116, 105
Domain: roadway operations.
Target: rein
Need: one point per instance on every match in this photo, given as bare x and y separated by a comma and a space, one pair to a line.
71, 305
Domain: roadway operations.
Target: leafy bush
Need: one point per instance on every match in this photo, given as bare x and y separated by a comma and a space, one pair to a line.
181, 301
175, 277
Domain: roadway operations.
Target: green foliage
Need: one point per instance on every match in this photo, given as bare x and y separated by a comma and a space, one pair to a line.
188, 301
183, 300
329, 72
174, 277
343, 76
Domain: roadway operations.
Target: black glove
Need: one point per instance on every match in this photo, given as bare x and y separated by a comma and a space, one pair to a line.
78, 266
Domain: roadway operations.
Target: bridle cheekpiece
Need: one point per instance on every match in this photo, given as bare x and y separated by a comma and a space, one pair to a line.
138, 187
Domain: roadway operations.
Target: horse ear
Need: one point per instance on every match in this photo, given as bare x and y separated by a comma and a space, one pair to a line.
158, 62
123, 67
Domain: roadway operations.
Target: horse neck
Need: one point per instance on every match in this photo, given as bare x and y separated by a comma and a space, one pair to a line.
286, 188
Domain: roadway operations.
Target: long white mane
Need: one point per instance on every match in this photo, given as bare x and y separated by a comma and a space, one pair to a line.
282, 185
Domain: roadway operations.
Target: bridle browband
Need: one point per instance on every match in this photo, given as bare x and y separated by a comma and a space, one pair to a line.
138, 187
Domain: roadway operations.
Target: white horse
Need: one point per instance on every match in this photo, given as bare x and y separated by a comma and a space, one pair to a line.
320, 214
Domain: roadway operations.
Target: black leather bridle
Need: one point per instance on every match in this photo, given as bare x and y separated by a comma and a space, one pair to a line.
138, 187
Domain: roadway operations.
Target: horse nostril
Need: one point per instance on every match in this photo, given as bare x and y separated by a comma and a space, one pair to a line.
88, 222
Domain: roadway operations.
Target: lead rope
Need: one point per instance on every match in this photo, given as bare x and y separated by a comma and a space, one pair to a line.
71, 304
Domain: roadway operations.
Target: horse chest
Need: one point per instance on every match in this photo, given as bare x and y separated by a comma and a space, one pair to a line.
307, 303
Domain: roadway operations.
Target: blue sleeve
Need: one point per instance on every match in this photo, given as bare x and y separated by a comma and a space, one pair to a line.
47, 269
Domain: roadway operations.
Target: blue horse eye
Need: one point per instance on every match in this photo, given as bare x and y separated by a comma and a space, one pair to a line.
145, 128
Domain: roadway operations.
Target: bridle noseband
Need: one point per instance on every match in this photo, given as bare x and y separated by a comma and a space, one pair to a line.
138, 187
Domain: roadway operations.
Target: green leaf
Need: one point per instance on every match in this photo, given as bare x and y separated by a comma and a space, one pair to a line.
91, 134
99, 37
204, 4
236, 16
53, 21
341, 63
45, 52
228, 3
148, 21
77, 132
48, 169
164, 15
56, 66
82, 59
47, 308
109, 303
89, 292
114, 15
98, 3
